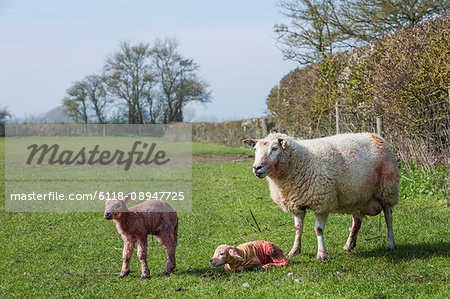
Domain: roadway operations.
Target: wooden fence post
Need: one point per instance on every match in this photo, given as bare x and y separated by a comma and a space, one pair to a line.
379, 126
264, 127
337, 118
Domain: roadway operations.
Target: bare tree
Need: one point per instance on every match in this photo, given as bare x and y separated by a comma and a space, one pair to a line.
86, 98
145, 84
178, 81
366, 20
4, 115
317, 28
309, 36
75, 104
129, 77
96, 93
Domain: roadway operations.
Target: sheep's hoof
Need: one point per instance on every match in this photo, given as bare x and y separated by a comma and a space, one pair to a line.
322, 255
125, 273
167, 271
349, 247
294, 252
390, 246
146, 276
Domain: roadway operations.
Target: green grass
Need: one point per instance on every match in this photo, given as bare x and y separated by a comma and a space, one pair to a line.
78, 254
209, 148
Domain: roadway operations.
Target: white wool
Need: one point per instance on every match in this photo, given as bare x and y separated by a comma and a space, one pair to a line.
334, 174
350, 173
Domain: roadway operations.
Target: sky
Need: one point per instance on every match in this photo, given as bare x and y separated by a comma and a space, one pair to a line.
46, 45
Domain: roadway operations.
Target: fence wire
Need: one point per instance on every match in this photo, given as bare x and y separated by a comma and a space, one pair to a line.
424, 140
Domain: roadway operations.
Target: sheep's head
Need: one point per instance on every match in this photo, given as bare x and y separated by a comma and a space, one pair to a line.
224, 254
115, 207
268, 154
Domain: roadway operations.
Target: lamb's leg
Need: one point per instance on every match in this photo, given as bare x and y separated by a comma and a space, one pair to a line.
277, 258
390, 230
351, 241
142, 255
169, 242
298, 220
321, 219
277, 262
128, 247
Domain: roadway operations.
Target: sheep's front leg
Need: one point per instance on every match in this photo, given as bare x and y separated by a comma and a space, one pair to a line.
390, 230
298, 220
351, 241
321, 219
142, 255
128, 247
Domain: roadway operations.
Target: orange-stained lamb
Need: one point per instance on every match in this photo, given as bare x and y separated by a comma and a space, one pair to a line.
250, 255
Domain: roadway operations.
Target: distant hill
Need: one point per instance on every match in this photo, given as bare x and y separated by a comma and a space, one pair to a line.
56, 115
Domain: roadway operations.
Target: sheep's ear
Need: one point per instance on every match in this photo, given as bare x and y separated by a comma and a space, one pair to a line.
250, 142
128, 198
282, 143
234, 254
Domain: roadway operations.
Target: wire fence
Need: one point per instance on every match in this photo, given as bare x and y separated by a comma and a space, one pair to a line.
424, 138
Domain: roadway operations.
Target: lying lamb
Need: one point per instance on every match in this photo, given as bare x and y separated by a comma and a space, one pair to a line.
351, 173
134, 224
248, 256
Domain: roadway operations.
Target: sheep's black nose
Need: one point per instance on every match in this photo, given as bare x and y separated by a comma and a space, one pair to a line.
211, 261
108, 215
257, 167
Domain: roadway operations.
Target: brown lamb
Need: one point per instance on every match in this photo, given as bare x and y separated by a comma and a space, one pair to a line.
136, 223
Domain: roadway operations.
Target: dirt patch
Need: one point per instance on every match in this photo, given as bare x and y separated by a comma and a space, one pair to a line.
222, 158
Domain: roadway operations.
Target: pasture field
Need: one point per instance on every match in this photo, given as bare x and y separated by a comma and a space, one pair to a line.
79, 254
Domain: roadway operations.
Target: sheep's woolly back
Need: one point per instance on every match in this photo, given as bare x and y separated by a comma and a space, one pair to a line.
341, 173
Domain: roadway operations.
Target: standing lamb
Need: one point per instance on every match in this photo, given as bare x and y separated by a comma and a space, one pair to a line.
134, 224
350, 174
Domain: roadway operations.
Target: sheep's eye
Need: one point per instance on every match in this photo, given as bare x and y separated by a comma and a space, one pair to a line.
222, 253
274, 148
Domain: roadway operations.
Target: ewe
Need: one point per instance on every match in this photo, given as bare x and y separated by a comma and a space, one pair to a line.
353, 174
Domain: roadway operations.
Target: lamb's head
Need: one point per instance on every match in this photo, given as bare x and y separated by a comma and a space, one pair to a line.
224, 254
269, 154
115, 207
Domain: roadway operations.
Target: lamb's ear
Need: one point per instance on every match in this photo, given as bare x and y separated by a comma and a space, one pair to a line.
233, 253
250, 142
282, 143
128, 198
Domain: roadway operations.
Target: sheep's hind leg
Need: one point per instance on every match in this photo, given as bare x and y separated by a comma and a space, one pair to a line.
277, 258
351, 242
277, 262
298, 220
128, 247
142, 255
390, 230
321, 219
169, 242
